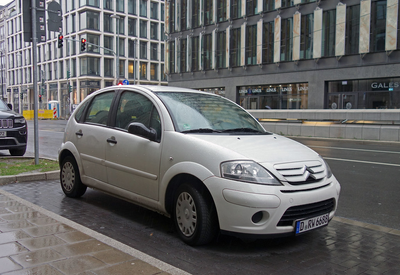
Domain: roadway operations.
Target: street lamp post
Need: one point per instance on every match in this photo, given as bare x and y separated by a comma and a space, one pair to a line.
117, 17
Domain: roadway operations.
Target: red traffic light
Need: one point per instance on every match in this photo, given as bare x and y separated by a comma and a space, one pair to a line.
83, 40
61, 37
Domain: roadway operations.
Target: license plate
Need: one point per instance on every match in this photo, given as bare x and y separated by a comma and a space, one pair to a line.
311, 223
3, 134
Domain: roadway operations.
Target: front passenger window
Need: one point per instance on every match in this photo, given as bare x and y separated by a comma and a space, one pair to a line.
99, 108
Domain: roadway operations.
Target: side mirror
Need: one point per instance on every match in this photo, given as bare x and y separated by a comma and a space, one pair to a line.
140, 130
9, 105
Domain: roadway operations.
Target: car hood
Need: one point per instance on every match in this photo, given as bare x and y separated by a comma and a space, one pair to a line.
263, 148
7, 114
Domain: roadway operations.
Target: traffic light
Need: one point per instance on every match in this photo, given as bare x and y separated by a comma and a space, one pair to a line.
60, 40
83, 44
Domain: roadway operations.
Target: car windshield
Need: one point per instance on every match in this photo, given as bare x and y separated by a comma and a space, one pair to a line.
3, 106
202, 113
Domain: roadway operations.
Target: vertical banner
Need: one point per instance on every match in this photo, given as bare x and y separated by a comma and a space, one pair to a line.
228, 9
178, 15
260, 6
167, 7
189, 53
178, 55
277, 39
243, 7
174, 70
228, 46
260, 24
214, 48
201, 50
317, 44
296, 35
278, 4
340, 29
392, 17
167, 57
365, 25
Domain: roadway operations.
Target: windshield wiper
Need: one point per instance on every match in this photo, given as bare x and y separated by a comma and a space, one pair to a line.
241, 130
201, 130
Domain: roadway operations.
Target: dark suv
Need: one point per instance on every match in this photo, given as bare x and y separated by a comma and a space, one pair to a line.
13, 131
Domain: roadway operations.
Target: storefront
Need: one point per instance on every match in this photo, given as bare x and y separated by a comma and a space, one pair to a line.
381, 93
277, 96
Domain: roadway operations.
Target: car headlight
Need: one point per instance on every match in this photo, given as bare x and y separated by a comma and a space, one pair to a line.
247, 171
19, 120
328, 169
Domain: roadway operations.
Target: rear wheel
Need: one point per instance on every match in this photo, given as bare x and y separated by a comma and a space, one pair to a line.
70, 179
195, 216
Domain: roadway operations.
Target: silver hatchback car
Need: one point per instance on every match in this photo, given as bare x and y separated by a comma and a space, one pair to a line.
198, 158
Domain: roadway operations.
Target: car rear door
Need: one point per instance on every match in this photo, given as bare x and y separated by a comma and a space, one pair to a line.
133, 162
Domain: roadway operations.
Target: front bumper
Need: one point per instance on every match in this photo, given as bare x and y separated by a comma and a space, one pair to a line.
14, 138
258, 209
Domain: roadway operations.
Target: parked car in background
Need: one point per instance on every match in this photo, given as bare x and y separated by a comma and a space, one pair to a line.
198, 158
13, 130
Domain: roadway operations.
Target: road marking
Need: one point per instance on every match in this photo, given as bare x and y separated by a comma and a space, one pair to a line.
368, 162
352, 149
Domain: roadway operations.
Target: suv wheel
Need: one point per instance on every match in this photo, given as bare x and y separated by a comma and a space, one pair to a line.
70, 179
194, 216
17, 152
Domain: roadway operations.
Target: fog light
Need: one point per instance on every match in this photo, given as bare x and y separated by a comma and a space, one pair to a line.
22, 133
257, 217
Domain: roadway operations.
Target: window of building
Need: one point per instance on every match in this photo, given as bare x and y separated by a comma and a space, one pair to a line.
107, 4
162, 12
153, 10
132, 48
154, 30
143, 50
184, 15
153, 51
70, 5
143, 29
306, 36
121, 25
235, 45
92, 3
162, 52
378, 26
132, 7
90, 66
195, 13
143, 8
182, 54
352, 29
153, 71
163, 75
108, 23
122, 68
251, 7
251, 45
268, 43
93, 39
108, 67
221, 10
236, 9
328, 33
195, 53
132, 27
208, 12
171, 57
73, 67
207, 51
89, 20
221, 49
286, 39
60, 70
131, 70
162, 38
119, 4
143, 70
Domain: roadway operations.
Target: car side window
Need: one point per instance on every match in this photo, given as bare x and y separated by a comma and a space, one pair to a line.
134, 107
99, 109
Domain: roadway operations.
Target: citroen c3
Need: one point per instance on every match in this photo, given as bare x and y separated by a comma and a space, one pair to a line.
197, 158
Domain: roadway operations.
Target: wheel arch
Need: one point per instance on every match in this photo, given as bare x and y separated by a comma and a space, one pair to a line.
68, 149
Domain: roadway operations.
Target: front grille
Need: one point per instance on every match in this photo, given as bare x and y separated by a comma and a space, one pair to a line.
6, 123
298, 173
306, 211
4, 142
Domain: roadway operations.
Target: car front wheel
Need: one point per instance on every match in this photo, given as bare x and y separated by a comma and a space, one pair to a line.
70, 179
195, 216
17, 152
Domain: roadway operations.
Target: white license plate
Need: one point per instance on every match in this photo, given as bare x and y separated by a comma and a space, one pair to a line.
3, 134
311, 223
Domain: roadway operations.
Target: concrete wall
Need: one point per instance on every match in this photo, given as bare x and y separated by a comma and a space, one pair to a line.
381, 125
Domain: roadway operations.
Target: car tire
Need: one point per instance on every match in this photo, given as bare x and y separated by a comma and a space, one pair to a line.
194, 215
17, 152
70, 179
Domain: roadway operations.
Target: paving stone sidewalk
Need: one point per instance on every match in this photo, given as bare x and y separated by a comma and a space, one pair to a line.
36, 241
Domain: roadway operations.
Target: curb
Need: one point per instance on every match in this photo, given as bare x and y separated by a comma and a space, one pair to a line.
52, 175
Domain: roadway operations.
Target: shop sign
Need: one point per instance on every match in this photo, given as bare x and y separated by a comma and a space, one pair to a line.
271, 90
380, 85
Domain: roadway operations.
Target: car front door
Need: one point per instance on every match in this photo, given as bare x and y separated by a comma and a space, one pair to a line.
133, 162
91, 137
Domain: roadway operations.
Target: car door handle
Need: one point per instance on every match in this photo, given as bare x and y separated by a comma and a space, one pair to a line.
112, 140
79, 133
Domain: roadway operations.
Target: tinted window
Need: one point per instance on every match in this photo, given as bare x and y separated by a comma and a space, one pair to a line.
99, 109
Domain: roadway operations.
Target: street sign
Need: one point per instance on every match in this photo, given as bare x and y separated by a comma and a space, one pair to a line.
55, 16
125, 82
